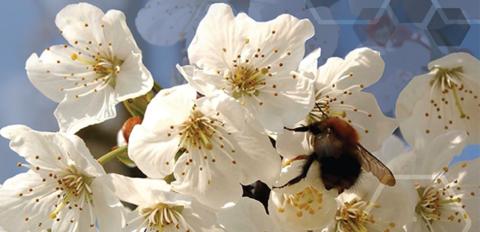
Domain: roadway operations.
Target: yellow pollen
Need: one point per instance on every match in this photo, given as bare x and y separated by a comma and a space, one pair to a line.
197, 131
353, 217
246, 81
160, 216
309, 200
431, 202
75, 186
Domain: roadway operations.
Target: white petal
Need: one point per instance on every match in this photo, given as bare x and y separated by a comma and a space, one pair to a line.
294, 101
153, 153
134, 79
201, 218
55, 74
75, 113
440, 152
410, 95
309, 64
64, 223
15, 209
170, 107
141, 192
427, 159
204, 82
231, 111
268, 9
392, 148
305, 205
246, 215
252, 151
53, 151
107, 208
80, 22
365, 65
260, 161
467, 173
213, 183
216, 30
285, 33
118, 34
291, 144
85, 219
401, 197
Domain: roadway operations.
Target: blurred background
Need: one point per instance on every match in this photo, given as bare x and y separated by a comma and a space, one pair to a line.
408, 33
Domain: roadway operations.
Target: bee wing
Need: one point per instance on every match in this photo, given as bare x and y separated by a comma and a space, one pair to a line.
370, 163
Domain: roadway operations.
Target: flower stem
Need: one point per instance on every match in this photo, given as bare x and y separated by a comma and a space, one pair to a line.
132, 112
133, 109
112, 154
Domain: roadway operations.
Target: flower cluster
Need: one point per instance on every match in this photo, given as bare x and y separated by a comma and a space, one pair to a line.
259, 139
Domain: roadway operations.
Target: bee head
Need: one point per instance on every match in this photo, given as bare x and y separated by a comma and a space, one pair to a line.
341, 128
318, 127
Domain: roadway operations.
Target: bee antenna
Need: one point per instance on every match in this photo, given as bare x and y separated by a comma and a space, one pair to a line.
302, 128
320, 108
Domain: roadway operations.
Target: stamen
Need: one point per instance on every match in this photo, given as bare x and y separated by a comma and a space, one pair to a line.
457, 103
353, 217
449, 79
197, 131
163, 215
103, 66
74, 186
246, 81
307, 201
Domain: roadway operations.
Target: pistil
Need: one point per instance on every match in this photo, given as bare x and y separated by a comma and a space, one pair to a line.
352, 217
246, 81
162, 215
197, 131
108, 67
75, 186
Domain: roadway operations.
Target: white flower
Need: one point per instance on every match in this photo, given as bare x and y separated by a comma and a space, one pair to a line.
246, 215
306, 205
218, 151
161, 209
444, 196
445, 99
101, 67
253, 63
338, 93
373, 207
64, 189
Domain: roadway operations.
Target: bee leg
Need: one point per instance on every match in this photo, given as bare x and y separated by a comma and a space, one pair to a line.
300, 177
298, 129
